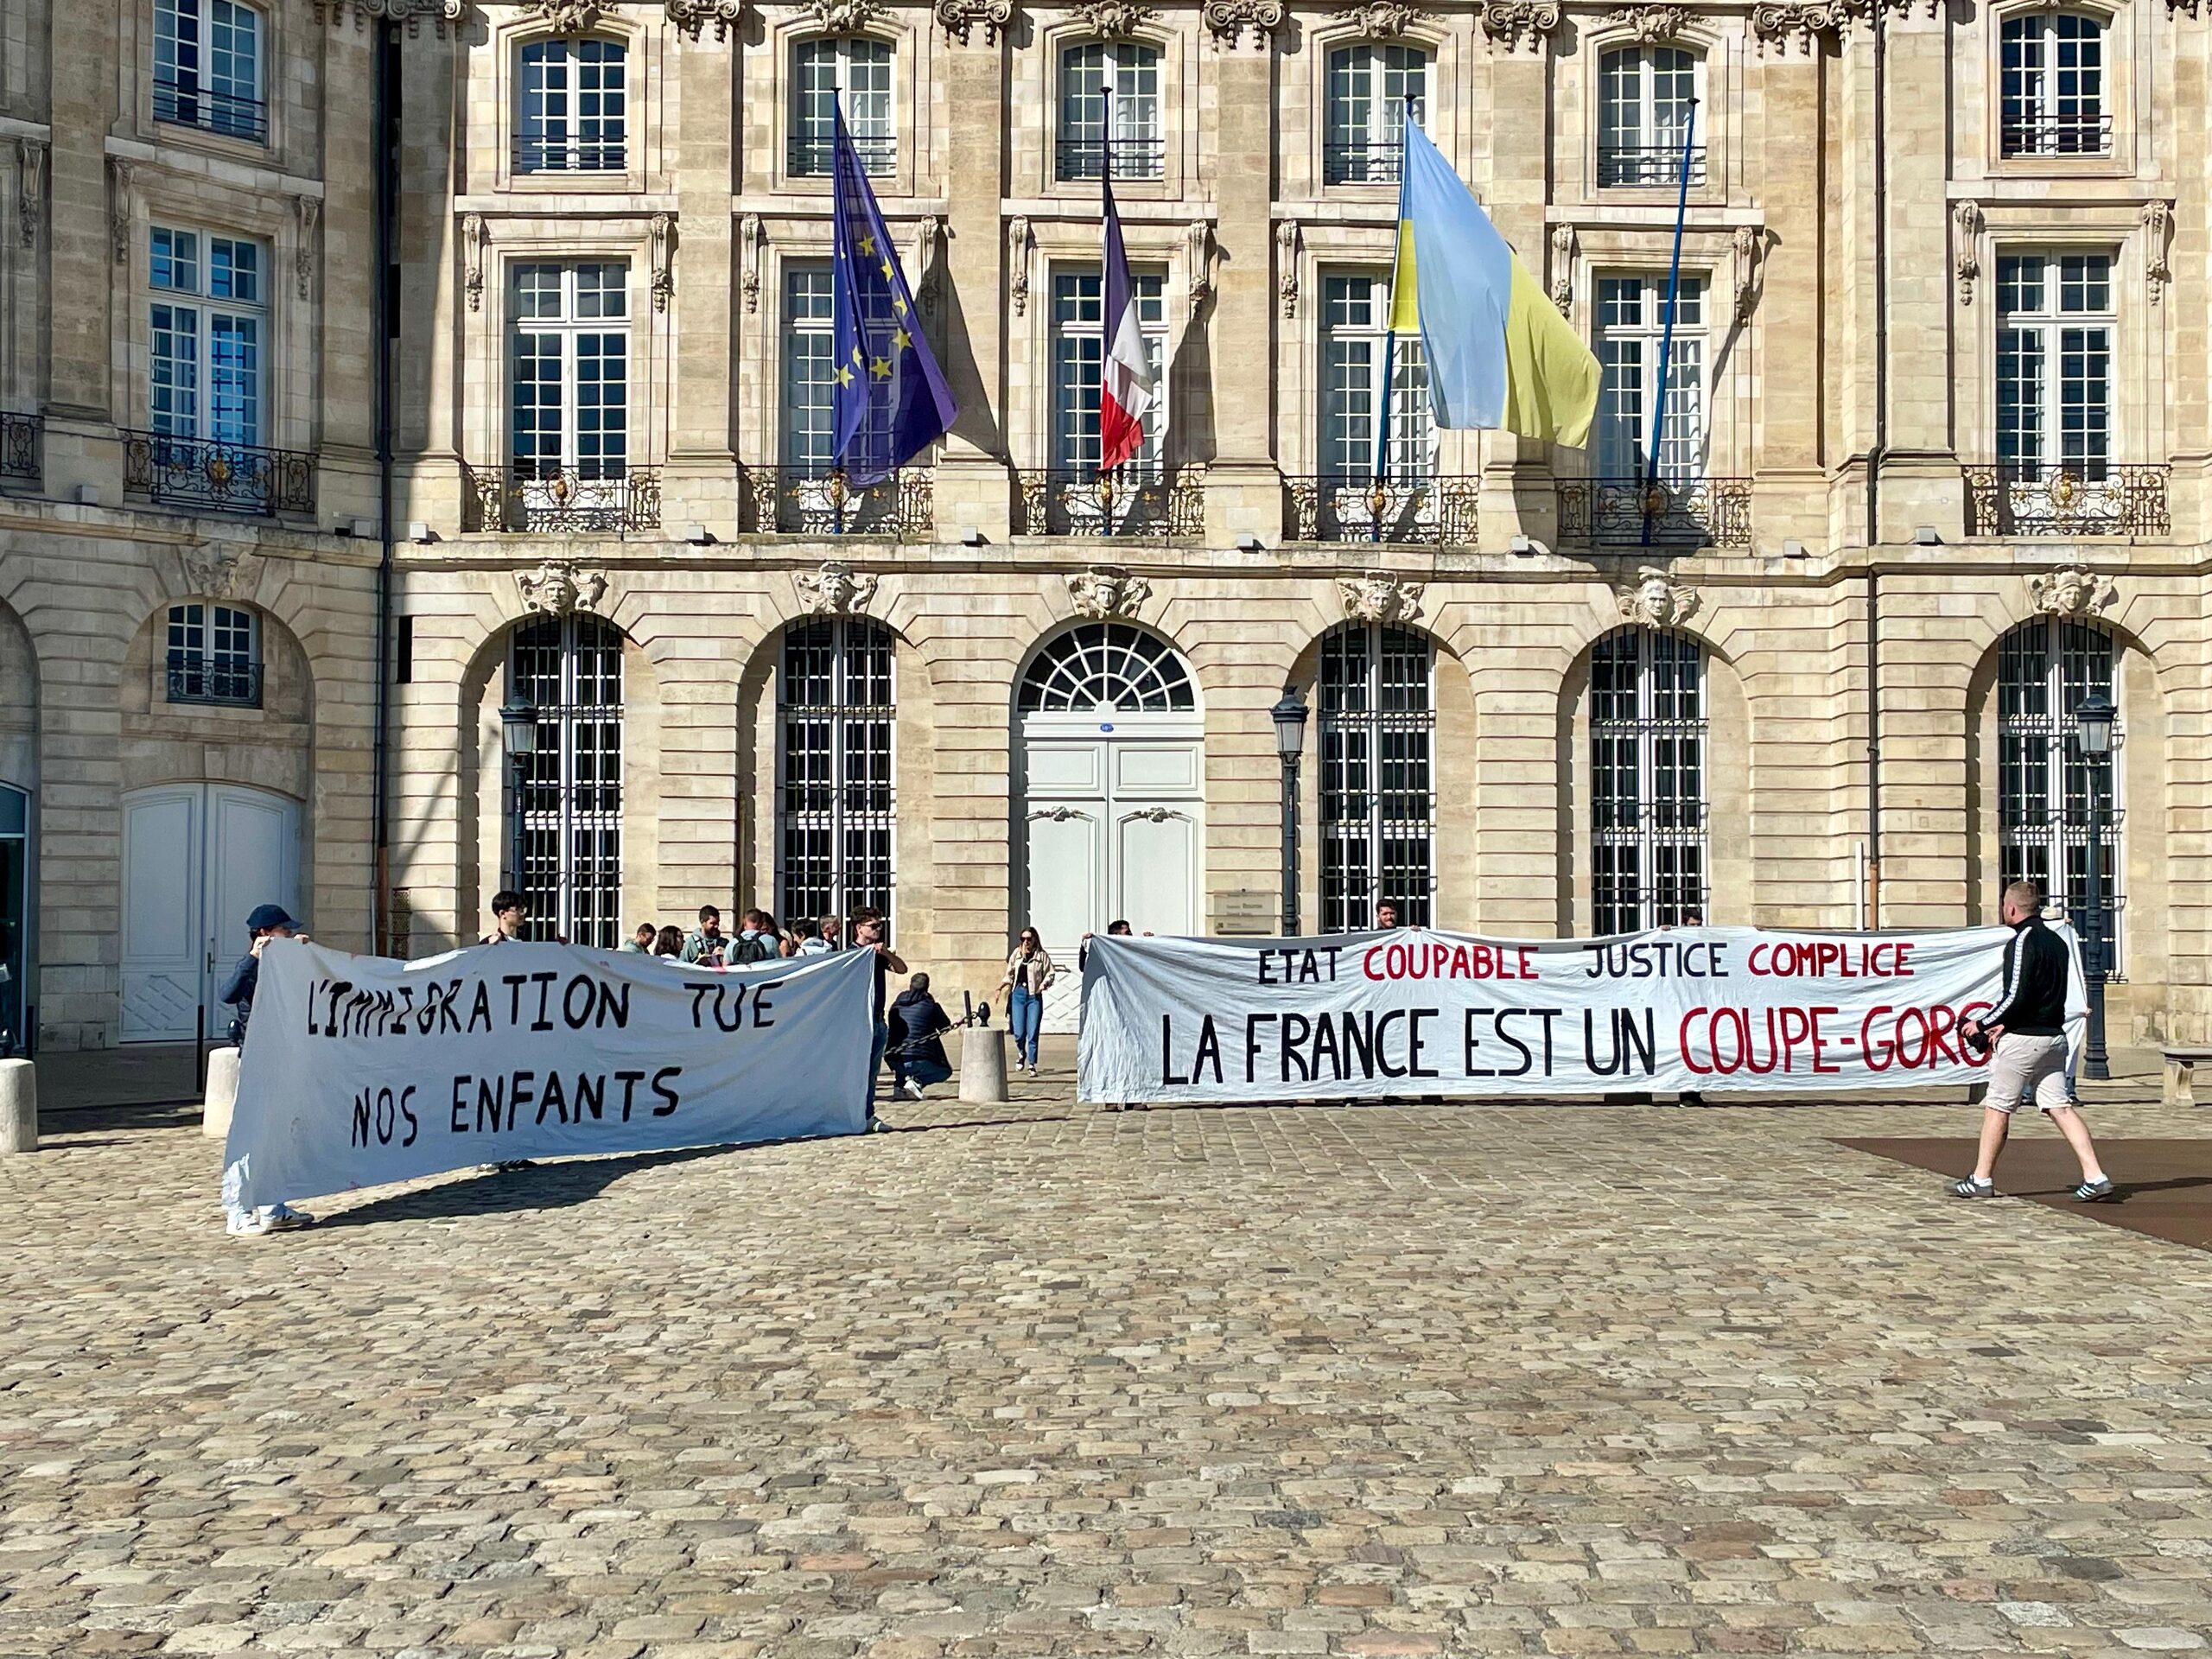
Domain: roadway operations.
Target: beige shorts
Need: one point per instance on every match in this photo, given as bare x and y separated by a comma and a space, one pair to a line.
2025, 1065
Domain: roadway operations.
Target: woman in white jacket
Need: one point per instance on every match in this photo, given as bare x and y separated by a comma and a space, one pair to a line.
1029, 971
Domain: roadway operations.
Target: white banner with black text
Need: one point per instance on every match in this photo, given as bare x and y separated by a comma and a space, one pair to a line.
1367, 1016
361, 1070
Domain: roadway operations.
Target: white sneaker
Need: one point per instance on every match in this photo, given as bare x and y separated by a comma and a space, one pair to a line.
270, 1219
912, 1089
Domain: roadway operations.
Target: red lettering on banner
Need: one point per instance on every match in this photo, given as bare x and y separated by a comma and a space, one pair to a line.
1434, 959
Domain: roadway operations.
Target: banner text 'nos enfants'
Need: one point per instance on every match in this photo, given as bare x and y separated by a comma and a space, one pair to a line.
359, 1070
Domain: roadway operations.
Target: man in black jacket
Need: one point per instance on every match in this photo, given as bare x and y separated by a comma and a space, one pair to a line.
2028, 1024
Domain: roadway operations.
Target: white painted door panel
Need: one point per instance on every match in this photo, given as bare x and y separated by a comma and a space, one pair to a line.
164, 951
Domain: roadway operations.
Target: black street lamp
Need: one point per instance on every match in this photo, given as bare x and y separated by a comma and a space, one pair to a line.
2093, 722
1290, 745
518, 742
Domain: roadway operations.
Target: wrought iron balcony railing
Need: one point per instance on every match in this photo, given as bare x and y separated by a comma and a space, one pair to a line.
1648, 164
1134, 158
1131, 501
2057, 135
528, 497
1694, 512
814, 156
198, 678
228, 113
19, 446
2087, 497
1361, 161
809, 501
219, 477
552, 153
1430, 511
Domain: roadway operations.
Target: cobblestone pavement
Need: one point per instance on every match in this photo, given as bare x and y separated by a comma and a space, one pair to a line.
1044, 1381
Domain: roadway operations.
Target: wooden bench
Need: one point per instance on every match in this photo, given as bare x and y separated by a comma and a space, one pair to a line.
2181, 1069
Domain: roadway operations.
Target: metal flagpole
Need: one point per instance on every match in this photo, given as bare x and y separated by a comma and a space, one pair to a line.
1378, 495
1650, 499
1105, 343
843, 290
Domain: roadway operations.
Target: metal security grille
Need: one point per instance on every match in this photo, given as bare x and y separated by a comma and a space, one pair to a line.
1378, 800
1647, 781
835, 706
568, 796
2049, 793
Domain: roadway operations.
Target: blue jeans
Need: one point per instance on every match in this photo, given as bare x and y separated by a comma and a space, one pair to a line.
1026, 1015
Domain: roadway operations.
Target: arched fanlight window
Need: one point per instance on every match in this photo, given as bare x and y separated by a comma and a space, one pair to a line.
1107, 667
1648, 866
2050, 797
1378, 797
835, 791
566, 816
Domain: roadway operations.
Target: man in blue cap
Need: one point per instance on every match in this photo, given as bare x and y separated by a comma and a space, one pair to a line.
266, 923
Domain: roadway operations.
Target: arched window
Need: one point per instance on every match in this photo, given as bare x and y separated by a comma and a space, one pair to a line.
214, 655
861, 71
1110, 668
207, 67
565, 820
1378, 799
2050, 797
1129, 70
834, 703
1369, 88
2054, 87
15, 914
574, 116
1646, 94
1648, 864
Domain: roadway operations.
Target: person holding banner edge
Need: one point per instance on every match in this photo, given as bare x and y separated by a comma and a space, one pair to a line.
266, 923
2027, 1025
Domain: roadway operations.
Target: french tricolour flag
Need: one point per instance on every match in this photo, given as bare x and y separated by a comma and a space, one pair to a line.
1125, 388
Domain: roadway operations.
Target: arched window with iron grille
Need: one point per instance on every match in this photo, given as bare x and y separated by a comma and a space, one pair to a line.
835, 790
566, 828
1648, 862
2049, 795
1379, 790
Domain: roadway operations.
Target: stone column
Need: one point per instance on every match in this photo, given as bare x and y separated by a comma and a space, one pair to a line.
974, 487
340, 246
91, 239
699, 482
1783, 266
1516, 494
430, 309
1243, 484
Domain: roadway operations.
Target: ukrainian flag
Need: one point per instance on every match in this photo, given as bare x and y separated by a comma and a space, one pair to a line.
1499, 353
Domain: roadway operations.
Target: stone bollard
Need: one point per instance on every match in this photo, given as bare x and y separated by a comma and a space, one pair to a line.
222, 1093
982, 1065
18, 1107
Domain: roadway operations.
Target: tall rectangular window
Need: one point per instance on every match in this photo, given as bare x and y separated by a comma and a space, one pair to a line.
1648, 101
1078, 361
207, 67
1632, 326
1371, 89
570, 356
810, 389
204, 324
214, 654
2051, 798
2054, 87
2055, 325
1378, 805
859, 70
573, 117
1647, 781
1130, 72
1353, 312
837, 713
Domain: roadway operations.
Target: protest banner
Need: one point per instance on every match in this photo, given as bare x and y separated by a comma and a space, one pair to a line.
1365, 1016
359, 1070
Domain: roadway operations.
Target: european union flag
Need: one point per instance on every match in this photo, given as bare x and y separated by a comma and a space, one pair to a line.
890, 399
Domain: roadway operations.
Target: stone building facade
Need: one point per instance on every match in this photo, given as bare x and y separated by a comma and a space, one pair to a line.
1931, 468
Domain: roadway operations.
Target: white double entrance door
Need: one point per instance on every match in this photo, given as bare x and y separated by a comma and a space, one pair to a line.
196, 859
1113, 811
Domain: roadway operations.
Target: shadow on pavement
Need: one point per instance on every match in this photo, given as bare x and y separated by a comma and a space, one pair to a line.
2160, 1188
543, 1187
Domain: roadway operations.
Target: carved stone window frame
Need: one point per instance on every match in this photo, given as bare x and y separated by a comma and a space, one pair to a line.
2122, 44
1179, 104
286, 32
510, 32
907, 33
1719, 45
1448, 70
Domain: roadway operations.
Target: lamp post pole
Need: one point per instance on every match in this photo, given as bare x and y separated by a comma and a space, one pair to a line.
1290, 745
2093, 724
518, 743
